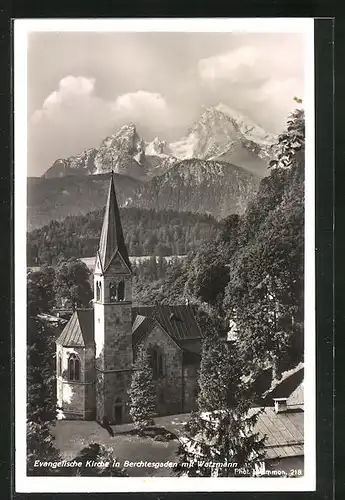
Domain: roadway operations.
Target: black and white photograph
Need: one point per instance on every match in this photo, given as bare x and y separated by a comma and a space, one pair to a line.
164, 255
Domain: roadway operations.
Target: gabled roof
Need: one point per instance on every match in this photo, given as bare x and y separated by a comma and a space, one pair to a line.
112, 240
179, 321
285, 387
79, 331
143, 311
284, 431
141, 327
174, 320
267, 389
297, 397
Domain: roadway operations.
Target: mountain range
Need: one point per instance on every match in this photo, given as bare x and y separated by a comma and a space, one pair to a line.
220, 134
215, 168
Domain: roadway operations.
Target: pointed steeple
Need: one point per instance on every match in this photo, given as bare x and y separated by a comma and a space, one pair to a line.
112, 240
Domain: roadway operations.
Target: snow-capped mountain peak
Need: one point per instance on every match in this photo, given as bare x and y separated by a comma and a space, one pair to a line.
247, 127
220, 134
126, 134
225, 134
157, 148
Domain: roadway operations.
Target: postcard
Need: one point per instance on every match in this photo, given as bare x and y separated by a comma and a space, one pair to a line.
164, 255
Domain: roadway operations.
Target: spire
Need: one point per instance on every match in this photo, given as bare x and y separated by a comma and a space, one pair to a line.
112, 239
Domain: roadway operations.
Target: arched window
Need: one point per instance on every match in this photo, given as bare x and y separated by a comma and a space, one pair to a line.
157, 364
117, 291
98, 291
59, 365
73, 368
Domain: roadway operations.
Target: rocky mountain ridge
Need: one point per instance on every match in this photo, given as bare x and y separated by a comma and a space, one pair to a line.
220, 134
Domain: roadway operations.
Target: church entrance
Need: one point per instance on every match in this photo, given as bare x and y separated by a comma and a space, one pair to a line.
118, 413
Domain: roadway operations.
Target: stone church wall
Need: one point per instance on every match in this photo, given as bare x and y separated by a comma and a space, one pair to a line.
89, 378
118, 353
112, 397
76, 398
169, 387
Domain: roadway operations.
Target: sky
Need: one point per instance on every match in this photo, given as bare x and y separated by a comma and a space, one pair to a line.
83, 86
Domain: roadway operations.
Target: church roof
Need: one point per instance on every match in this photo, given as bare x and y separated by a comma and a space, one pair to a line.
178, 321
141, 326
79, 331
112, 240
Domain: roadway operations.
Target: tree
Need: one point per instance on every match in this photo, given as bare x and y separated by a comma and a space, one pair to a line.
208, 273
40, 446
41, 381
142, 392
229, 229
103, 456
41, 395
40, 296
223, 428
265, 290
71, 285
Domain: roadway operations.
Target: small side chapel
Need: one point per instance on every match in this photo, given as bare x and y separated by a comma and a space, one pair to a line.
97, 348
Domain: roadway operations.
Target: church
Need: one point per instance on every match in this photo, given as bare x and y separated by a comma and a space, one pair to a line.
97, 348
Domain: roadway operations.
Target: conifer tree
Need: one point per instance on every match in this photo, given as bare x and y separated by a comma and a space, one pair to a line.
222, 430
142, 392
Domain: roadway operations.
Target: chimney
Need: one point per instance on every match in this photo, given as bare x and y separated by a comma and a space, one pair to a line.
280, 405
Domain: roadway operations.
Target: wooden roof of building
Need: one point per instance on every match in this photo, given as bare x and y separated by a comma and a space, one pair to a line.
284, 431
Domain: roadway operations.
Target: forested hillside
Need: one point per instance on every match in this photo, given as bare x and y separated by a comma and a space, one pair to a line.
253, 271
147, 232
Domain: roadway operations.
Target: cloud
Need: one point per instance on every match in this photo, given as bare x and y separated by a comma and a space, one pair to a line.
73, 118
259, 79
72, 89
97, 82
273, 89
230, 66
141, 107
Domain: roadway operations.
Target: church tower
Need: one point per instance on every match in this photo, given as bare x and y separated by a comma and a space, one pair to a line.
112, 317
